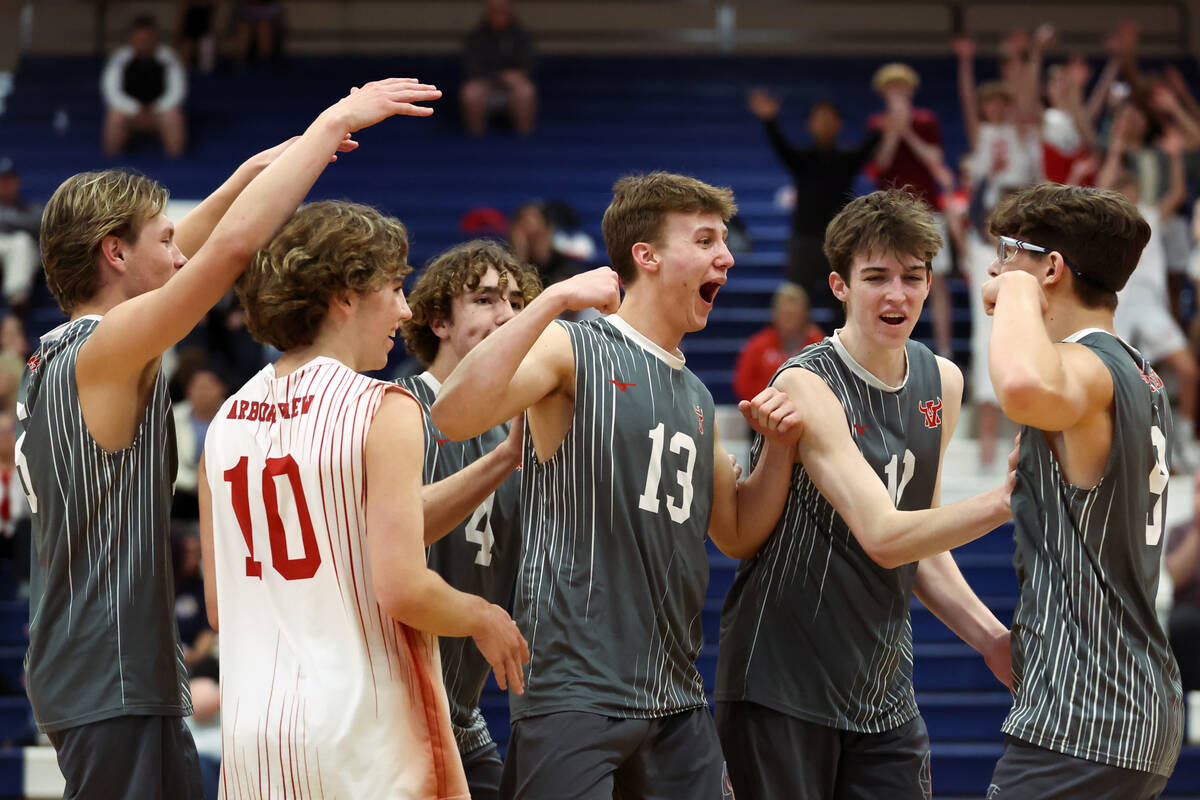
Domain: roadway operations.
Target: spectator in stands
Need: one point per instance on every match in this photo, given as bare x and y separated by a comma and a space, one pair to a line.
196, 37
823, 175
205, 723
531, 236
790, 331
205, 390
144, 85
1183, 566
910, 156
20, 223
14, 351
259, 23
498, 62
196, 635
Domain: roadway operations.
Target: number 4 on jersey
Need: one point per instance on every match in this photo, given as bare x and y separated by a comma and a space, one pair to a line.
479, 531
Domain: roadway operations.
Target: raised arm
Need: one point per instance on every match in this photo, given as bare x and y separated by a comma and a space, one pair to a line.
839, 471
964, 48
138, 330
524, 361
1038, 382
406, 588
1172, 144
194, 229
451, 500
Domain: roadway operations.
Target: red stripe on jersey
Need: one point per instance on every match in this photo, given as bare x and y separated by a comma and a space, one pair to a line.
418, 652
304, 750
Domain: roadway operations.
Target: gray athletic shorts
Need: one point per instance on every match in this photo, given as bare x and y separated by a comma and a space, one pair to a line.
1026, 770
577, 756
483, 767
129, 758
775, 756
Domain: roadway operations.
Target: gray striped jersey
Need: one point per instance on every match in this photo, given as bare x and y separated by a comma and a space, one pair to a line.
812, 627
1093, 673
613, 566
479, 556
102, 636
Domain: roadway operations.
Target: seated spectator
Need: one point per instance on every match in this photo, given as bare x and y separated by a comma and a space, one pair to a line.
15, 523
258, 25
790, 332
498, 60
196, 635
205, 723
196, 34
20, 223
1183, 567
144, 85
204, 391
14, 351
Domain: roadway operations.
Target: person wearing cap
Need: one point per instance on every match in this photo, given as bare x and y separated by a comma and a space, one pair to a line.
910, 157
144, 84
20, 221
1098, 709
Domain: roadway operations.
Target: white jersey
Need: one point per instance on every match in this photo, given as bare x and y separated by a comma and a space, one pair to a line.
1006, 157
323, 695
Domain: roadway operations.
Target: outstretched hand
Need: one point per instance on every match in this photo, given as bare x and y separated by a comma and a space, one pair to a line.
502, 645
773, 415
762, 105
378, 100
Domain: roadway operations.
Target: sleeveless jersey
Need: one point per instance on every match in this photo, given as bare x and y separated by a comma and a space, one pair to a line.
1093, 673
812, 627
103, 641
613, 565
478, 557
322, 693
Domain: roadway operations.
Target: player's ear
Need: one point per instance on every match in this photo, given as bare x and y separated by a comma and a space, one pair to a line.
440, 326
1056, 268
112, 253
838, 286
646, 257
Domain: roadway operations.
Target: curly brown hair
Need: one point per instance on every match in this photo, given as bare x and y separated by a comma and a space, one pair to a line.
325, 248
449, 275
83, 211
639, 209
1098, 232
889, 221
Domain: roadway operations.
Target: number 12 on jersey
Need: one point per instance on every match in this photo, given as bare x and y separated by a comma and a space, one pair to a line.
292, 569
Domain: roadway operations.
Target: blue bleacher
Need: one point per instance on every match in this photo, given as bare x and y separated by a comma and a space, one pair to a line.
600, 118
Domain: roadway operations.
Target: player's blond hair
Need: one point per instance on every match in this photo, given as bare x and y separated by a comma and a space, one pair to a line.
325, 249
639, 209
886, 222
454, 272
83, 211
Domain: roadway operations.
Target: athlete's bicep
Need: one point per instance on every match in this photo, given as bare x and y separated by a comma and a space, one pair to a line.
1082, 386
832, 460
394, 456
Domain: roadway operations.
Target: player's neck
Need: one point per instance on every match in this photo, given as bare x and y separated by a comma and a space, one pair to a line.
443, 364
888, 364
648, 319
339, 348
1064, 319
105, 300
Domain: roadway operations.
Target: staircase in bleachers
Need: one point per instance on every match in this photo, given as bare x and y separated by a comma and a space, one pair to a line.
601, 118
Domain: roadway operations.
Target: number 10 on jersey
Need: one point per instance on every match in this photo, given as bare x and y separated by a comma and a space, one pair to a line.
292, 569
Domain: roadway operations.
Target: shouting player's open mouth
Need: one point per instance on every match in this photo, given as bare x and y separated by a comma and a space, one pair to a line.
894, 318
708, 291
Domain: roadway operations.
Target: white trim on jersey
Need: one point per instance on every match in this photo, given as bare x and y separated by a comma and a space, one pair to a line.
861, 371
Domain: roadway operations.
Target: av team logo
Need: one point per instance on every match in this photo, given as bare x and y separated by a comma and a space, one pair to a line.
932, 409
620, 385
699, 413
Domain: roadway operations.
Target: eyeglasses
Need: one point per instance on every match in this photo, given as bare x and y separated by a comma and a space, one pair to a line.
1008, 247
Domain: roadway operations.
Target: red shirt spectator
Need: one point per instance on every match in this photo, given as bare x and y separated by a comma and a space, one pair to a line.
906, 168
789, 332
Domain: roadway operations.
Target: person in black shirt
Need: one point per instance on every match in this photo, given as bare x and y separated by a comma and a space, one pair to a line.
498, 59
144, 84
823, 174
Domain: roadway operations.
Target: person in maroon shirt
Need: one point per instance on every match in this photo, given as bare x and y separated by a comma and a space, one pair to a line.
790, 332
910, 157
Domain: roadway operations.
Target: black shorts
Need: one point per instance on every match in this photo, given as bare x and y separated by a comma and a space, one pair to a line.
578, 756
775, 756
1026, 770
129, 758
483, 767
